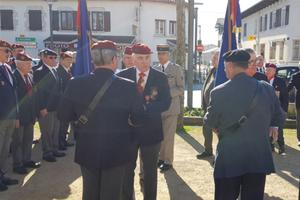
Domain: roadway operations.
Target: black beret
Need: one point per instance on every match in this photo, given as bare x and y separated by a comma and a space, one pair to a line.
49, 52
237, 55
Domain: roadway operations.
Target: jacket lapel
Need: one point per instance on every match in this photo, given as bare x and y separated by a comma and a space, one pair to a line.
149, 81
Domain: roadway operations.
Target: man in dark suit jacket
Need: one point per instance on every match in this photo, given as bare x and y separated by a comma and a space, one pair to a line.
48, 95
207, 87
23, 136
153, 86
8, 111
295, 82
64, 72
103, 144
244, 154
252, 68
283, 95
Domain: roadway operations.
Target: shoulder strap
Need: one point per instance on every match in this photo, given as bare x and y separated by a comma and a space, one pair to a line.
245, 117
83, 119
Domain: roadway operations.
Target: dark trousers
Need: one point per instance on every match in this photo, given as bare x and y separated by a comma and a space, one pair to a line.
22, 145
63, 131
298, 124
208, 138
251, 186
102, 184
149, 158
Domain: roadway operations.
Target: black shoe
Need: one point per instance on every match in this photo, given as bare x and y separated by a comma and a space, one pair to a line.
299, 144
281, 151
165, 167
49, 158
9, 181
203, 155
36, 141
3, 187
59, 154
159, 163
32, 164
62, 148
20, 170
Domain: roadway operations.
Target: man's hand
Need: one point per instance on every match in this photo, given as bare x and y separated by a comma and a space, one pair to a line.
44, 112
17, 123
273, 133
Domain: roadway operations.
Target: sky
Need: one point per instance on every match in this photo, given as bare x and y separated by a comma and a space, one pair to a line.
208, 14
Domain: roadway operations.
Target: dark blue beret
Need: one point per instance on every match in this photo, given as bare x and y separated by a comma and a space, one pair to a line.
237, 55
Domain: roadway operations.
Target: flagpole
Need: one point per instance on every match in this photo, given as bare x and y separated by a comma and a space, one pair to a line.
229, 26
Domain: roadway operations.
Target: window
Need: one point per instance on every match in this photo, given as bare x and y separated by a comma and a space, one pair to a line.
67, 20
97, 21
100, 21
160, 27
271, 21
266, 22
296, 50
272, 50
278, 18
245, 30
281, 50
35, 20
6, 18
260, 24
172, 28
287, 15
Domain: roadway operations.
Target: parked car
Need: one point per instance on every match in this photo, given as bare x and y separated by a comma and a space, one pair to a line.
286, 73
35, 61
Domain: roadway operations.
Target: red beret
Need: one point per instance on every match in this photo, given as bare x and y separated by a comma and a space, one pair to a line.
23, 57
66, 54
5, 44
128, 51
141, 49
105, 44
17, 46
271, 65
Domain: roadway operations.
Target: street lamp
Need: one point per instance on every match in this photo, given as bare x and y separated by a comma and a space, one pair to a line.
50, 3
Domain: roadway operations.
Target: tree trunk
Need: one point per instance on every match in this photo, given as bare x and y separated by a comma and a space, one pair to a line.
180, 52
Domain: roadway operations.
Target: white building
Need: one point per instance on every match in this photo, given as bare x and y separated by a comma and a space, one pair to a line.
271, 28
123, 21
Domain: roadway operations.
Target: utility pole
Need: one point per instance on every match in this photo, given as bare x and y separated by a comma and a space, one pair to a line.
180, 52
190, 55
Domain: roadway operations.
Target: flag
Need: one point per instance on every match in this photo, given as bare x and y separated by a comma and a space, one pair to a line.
232, 26
83, 63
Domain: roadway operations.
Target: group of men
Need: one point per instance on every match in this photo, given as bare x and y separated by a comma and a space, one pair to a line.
28, 96
114, 115
259, 70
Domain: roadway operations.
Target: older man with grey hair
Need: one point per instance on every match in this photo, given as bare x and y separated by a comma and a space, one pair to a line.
104, 138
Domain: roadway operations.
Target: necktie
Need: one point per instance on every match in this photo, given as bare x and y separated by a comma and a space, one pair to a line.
69, 74
28, 85
140, 83
55, 73
163, 68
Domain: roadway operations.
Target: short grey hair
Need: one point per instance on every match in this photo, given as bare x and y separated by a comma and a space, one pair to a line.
249, 50
103, 56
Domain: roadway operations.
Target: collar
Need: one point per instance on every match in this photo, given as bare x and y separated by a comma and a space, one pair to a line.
66, 69
166, 64
50, 68
146, 72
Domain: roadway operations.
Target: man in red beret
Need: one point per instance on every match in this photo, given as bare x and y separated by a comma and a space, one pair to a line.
153, 87
103, 132
127, 61
64, 72
23, 136
16, 49
283, 95
8, 112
